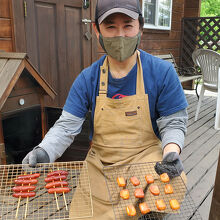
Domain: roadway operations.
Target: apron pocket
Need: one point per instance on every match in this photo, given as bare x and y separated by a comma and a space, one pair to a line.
124, 125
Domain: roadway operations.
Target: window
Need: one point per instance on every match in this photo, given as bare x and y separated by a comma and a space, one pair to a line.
157, 14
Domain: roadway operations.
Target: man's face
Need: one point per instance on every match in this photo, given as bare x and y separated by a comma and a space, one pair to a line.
119, 24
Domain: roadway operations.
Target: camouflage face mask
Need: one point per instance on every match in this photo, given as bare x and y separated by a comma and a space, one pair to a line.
120, 48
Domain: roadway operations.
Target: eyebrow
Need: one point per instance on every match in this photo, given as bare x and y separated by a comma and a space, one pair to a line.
109, 21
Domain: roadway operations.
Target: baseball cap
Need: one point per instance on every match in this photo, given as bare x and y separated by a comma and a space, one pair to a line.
104, 8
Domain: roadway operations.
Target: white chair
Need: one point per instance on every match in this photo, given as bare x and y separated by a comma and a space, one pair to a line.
209, 63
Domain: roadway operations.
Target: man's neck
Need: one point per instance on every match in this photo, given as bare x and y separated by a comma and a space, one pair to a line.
121, 69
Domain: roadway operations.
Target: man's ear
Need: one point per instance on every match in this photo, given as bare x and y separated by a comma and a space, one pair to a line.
96, 30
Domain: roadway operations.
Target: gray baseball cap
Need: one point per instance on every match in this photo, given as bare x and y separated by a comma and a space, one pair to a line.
104, 8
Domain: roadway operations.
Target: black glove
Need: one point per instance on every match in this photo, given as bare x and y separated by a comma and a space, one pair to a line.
171, 165
37, 155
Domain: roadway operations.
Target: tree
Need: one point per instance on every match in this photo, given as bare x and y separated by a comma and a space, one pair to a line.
210, 8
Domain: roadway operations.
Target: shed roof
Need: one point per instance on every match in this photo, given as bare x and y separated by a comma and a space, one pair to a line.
11, 67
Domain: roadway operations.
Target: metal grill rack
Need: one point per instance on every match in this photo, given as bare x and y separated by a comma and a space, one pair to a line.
187, 210
44, 205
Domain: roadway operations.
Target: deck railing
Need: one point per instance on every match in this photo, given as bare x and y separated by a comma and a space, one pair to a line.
199, 32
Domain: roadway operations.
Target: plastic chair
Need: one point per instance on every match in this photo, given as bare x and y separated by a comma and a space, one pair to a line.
209, 63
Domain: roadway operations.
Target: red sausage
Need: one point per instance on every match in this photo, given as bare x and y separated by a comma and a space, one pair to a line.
26, 182
24, 194
57, 172
54, 178
59, 190
55, 184
23, 188
29, 176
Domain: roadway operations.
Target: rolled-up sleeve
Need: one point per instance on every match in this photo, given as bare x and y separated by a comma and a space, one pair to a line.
61, 135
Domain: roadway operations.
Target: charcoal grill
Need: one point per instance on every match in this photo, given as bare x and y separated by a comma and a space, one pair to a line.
44, 205
187, 209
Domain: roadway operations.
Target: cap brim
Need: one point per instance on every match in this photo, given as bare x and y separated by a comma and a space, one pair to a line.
130, 13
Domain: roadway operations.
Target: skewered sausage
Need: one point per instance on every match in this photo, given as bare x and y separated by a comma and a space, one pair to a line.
23, 188
26, 182
149, 178
131, 211
58, 172
139, 193
55, 184
154, 190
144, 208
124, 194
121, 181
174, 204
54, 178
29, 176
164, 177
59, 190
160, 204
135, 181
24, 194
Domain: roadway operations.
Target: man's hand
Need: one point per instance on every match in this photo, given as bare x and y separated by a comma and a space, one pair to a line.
37, 155
171, 165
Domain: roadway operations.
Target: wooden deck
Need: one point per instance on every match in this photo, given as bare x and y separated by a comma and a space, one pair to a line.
201, 152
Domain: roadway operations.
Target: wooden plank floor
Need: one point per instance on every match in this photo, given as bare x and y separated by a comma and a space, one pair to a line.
201, 152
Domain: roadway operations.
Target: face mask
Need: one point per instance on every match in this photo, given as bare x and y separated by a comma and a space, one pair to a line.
120, 48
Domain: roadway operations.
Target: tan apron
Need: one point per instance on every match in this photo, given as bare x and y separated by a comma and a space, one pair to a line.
123, 134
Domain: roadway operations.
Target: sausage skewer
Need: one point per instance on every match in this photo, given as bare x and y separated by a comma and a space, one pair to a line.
55, 195
19, 200
23, 190
27, 201
54, 176
64, 197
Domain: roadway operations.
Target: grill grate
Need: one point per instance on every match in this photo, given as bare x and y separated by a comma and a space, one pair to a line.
187, 210
44, 205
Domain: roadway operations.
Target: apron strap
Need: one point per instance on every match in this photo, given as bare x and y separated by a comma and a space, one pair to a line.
140, 90
103, 83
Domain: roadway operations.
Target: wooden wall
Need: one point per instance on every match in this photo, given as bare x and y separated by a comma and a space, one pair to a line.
163, 42
192, 8
153, 41
6, 24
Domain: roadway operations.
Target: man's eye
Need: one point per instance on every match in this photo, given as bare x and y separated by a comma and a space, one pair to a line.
110, 27
128, 26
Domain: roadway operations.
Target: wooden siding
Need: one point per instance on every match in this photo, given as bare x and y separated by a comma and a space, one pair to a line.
192, 8
6, 32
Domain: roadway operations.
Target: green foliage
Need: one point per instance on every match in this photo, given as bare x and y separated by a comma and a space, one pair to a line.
210, 8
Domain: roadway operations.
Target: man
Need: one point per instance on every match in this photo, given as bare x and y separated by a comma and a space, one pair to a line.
136, 101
